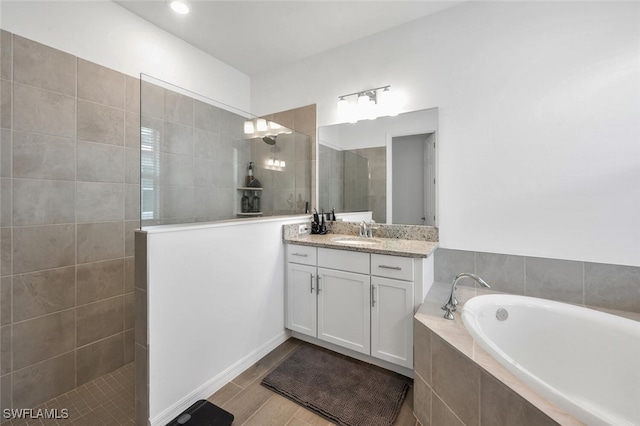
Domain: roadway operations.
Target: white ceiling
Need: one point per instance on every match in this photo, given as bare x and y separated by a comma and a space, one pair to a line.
253, 36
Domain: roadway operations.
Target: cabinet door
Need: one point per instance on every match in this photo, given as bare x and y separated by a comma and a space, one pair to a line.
301, 299
392, 321
344, 313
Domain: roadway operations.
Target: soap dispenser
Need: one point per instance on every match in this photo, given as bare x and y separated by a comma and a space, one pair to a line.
255, 202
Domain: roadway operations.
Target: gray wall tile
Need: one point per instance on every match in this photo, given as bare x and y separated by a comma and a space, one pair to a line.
178, 201
38, 156
554, 279
5, 300
422, 396
41, 111
206, 144
132, 94
442, 415
6, 102
43, 381
43, 247
456, 379
612, 286
151, 100
100, 84
6, 55
129, 316
140, 310
99, 358
449, 263
132, 166
129, 274
129, 346
177, 139
42, 66
130, 228
100, 241
5, 153
100, 280
132, 202
132, 130
42, 338
206, 117
43, 202
99, 123
6, 198
499, 405
99, 320
6, 252
422, 350
6, 352
177, 170
141, 261
99, 162
178, 108
502, 272
98, 201
6, 393
43, 292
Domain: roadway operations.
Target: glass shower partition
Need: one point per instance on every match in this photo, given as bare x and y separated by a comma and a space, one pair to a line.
195, 154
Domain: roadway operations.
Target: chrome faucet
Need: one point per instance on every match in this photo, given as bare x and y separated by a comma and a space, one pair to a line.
362, 229
452, 302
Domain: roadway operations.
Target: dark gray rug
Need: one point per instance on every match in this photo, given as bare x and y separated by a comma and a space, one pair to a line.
346, 392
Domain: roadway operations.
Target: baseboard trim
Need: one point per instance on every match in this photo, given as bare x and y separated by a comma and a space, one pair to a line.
217, 382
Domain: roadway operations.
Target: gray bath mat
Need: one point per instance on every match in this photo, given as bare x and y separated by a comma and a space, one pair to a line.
344, 391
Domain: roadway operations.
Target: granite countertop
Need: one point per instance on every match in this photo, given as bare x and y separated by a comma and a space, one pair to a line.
390, 246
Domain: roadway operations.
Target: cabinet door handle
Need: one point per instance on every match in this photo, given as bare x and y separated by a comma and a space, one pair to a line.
300, 254
311, 283
373, 296
397, 268
318, 284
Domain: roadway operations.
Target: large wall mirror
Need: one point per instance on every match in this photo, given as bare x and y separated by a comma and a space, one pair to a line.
386, 166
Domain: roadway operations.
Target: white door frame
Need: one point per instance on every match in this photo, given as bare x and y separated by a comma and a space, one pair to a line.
389, 139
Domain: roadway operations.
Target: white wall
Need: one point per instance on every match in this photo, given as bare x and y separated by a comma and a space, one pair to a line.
539, 105
109, 35
216, 305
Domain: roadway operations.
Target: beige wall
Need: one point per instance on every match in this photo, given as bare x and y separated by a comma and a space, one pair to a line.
69, 197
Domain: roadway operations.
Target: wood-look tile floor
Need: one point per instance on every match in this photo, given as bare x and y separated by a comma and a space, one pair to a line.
254, 405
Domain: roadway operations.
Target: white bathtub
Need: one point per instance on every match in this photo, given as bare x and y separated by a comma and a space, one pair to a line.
585, 361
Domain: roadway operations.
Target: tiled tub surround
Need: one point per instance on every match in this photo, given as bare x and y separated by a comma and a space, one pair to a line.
69, 200
458, 383
586, 283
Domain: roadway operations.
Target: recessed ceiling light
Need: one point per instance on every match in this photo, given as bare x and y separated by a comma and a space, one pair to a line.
179, 7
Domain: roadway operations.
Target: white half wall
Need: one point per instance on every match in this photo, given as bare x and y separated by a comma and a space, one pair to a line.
109, 35
539, 112
216, 305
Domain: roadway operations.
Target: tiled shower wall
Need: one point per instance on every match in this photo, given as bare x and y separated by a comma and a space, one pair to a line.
69, 208
594, 284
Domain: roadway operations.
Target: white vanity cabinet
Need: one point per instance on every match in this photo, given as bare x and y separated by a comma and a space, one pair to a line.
392, 306
356, 300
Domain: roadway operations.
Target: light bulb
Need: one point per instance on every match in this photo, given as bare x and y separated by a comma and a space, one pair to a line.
270, 162
282, 163
343, 106
248, 127
179, 7
274, 126
261, 124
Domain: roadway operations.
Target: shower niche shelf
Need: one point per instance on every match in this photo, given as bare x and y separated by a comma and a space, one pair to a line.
249, 188
249, 214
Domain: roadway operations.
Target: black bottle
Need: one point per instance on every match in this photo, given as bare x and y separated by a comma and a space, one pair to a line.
255, 202
244, 205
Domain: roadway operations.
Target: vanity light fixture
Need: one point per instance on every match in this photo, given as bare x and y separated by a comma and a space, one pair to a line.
370, 104
179, 7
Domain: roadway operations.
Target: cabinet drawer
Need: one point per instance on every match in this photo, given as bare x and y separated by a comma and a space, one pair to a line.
305, 255
343, 260
400, 268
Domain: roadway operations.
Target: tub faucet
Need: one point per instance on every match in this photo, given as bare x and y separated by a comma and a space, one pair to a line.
452, 302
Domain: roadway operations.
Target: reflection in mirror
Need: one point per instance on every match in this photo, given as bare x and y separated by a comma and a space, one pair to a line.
195, 154
386, 166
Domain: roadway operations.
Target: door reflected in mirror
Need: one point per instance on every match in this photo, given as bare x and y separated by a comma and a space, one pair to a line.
386, 166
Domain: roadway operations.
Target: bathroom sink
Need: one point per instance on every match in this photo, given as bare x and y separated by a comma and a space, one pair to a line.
356, 241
